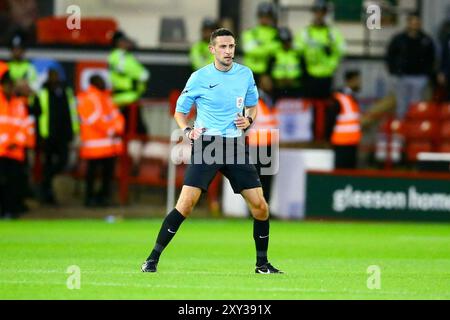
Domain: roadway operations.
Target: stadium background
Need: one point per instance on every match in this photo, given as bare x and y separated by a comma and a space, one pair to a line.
330, 258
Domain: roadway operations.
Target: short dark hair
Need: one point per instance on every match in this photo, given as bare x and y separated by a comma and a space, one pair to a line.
350, 74
97, 81
219, 33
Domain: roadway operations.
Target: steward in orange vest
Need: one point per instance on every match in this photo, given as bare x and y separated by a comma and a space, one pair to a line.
15, 128
263, 133
101, 128
344, 124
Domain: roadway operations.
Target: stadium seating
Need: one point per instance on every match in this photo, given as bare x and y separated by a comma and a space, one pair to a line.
393, 128
445, 111
415, 146
420, 136
444, 141
53, 30
445, 130
423, 111
421, 129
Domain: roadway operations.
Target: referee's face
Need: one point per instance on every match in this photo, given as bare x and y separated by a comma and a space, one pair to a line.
223, 50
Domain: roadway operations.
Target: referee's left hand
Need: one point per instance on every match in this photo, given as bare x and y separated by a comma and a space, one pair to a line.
241, 122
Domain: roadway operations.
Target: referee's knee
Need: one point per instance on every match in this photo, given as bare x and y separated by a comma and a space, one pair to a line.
185, 206
260, 210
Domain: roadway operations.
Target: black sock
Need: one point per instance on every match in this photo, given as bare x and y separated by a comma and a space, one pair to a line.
168, 229
261, 236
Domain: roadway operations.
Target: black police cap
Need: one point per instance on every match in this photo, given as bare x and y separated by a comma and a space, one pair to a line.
209, 23
320, 5
266, 9
284, 34
119, 35
17, 41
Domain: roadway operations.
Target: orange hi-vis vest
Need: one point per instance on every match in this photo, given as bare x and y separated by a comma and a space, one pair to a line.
347, 130
14, 128
262, 132
3, 68
101, 125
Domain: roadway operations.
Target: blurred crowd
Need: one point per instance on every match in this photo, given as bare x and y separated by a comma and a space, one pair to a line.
49, 118
302, 64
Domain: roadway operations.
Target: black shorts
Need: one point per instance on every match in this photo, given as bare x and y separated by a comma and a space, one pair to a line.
230, 156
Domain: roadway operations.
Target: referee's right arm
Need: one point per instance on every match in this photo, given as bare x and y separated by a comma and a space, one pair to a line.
181, 119
184, 105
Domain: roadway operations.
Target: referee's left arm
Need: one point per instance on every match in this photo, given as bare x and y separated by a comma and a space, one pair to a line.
251, 99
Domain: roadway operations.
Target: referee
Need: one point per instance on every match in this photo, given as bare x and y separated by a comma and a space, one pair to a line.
223, 92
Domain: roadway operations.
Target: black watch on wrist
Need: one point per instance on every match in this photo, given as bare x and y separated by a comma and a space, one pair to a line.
250, 120
187, 130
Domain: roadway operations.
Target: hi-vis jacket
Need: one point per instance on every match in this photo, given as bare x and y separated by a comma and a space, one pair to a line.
262, 132
347, 130
16, 128
101, 125
128, 77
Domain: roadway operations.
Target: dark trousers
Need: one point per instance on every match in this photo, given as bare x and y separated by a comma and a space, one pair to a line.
10, 186
140, 125
345, 157
55, 160
317, 88
105, 167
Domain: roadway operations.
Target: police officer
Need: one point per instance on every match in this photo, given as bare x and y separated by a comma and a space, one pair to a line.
199, 54
128, 76
57, 126
321, 47
21, 70
285, 66
260, 42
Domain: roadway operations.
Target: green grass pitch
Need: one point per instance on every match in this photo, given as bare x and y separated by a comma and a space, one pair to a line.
214, 259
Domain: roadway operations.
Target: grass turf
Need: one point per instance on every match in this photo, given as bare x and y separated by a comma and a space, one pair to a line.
214, 259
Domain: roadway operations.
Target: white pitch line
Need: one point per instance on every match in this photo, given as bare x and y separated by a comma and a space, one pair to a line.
168, 286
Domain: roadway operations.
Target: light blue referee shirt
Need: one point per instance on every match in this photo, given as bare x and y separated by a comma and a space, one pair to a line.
219, 97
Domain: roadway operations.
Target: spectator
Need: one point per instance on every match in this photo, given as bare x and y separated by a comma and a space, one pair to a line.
199, 54
411, 58
443, 78
260, 42
343, 123
57, 125
101, 126
321, 47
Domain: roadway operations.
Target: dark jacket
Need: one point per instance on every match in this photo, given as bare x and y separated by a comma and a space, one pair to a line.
60, 122
411, 56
